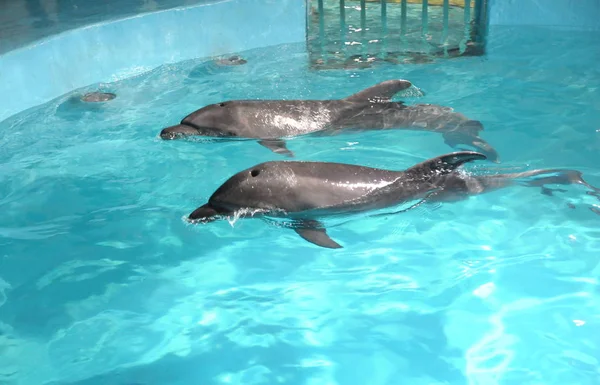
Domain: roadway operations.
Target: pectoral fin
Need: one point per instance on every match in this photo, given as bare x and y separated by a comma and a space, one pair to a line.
316, 235
381, 92
277, 146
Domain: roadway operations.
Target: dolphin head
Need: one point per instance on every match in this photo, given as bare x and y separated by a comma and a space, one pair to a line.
214, 120
246, 193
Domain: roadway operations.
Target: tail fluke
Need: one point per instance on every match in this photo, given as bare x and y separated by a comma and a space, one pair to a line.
555, 176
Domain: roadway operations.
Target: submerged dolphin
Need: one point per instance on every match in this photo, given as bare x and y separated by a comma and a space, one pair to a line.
370, 109
305, 192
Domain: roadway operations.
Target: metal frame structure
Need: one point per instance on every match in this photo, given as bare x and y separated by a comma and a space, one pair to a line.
359, 33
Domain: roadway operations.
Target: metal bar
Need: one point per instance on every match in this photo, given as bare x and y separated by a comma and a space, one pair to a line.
467, 29
480, 26
363, 25
424, 21
343, 24
403, 17
446, 10
343, 17
321, 26
467, 11
384, 16
363, 17
477, 8
477, 22
384, 27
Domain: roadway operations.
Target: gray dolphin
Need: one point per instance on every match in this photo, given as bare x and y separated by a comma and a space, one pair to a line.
96, 97
305, 192
370, 109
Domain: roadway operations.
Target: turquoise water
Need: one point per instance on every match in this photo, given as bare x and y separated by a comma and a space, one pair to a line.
103, 282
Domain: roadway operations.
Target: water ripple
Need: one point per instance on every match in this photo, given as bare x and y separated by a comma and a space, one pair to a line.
101, 281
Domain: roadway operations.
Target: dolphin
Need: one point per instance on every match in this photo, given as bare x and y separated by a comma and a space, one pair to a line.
234, 60
271, 121
306, 192
96, 97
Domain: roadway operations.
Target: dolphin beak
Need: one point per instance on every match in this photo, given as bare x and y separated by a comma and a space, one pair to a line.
178, 131
203, 214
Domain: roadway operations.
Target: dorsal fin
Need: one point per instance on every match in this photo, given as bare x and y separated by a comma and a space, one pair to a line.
381, 92
445, 164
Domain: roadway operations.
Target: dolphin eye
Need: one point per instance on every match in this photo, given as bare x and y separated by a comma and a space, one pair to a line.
254, 172
222, 104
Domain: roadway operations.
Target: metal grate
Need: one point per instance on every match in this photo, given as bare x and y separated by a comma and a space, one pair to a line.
360, 33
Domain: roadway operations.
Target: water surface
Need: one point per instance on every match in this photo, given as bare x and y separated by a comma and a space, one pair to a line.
101, 280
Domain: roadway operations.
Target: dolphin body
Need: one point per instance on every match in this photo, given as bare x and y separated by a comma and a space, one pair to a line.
305, 192
271, 121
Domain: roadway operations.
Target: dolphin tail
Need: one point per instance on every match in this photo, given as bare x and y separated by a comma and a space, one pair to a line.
381, 92
468, 134
313, 231
554, 176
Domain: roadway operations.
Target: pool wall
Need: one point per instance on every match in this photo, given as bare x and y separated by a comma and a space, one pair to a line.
580, 14
113, 49
87, 50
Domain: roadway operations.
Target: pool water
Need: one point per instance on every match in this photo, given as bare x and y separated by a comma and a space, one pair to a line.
103, 282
